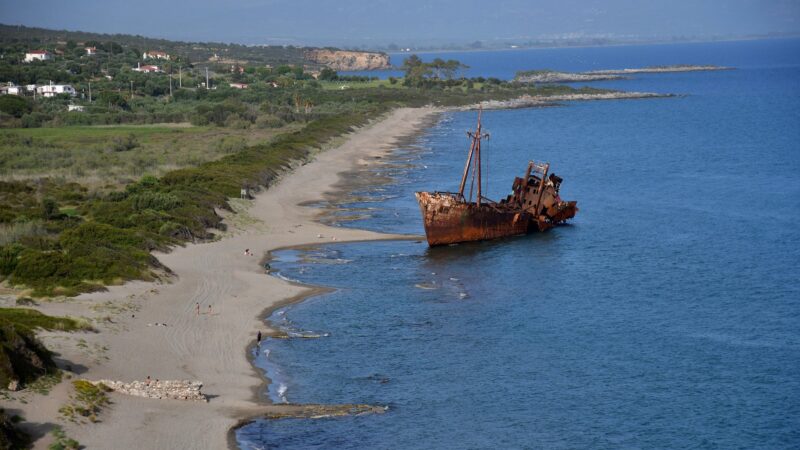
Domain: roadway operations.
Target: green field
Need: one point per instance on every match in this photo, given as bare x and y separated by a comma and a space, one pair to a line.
105, 157
341, 85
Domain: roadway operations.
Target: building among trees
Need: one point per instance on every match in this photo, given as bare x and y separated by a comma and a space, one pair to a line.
38, 55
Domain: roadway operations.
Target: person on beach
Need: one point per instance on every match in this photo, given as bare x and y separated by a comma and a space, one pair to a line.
147, 380
247, 252
258, 338
197, 308
209, 310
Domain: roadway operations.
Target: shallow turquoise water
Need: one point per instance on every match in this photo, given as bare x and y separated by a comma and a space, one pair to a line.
667, 315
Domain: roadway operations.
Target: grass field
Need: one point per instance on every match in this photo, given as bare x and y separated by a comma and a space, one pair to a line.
341, 85
106, 157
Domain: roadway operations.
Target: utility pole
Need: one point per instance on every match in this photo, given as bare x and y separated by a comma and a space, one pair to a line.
90, 92
180, 78
131, 88
206, 78
170, 82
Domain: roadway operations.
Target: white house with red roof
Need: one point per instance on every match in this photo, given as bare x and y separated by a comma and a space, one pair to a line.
146, 68
38, 55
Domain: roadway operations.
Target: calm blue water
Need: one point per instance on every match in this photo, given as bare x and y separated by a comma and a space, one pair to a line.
666, 316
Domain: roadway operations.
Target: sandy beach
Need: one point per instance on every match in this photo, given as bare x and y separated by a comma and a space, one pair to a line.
233, 292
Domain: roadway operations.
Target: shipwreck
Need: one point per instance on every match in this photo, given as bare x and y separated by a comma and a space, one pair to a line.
534, 204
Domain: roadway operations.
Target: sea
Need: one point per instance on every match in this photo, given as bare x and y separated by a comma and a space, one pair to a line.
666, 315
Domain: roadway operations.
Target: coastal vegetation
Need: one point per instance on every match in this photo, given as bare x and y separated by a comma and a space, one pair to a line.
23, 359
86, 402
31, 319
61, 441
11, 437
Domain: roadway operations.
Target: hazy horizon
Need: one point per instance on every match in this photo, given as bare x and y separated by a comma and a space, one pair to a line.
414, 22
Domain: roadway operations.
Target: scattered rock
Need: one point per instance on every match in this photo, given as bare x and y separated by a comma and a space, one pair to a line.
167, 389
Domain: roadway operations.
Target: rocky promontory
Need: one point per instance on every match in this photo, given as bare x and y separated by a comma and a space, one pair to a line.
531, 101
346, 60
552, 76
660, 69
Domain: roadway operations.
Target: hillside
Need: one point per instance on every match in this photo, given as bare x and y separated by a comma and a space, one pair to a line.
191, 52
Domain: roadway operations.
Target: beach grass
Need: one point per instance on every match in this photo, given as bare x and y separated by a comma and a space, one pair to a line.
33, 319
86, 402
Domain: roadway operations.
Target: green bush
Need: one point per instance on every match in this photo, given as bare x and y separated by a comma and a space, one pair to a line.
155, 200
124, 143
31, 319
22, 357
49, 209
269, 121
9, 256
15, 106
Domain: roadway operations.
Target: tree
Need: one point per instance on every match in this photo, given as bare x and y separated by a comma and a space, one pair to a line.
415, 70
328, 74
452, 67
112, 99
114, 48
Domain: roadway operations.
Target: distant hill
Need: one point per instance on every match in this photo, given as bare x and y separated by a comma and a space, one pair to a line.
195, 52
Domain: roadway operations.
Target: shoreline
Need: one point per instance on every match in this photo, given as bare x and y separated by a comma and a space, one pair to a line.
198, 346
206, 347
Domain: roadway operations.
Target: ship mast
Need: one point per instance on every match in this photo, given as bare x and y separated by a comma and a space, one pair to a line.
474, 150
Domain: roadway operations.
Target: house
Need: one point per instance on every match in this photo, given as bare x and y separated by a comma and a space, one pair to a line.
91, 50
38, 55
238, 85
146, 69
12, 89
51, 90
155, 54
16, 90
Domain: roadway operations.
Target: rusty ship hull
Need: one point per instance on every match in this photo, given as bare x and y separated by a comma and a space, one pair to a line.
448, 220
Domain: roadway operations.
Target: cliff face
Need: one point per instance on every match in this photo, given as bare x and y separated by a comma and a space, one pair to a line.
348, 60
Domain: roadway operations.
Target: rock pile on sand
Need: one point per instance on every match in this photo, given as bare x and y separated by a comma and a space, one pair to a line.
167, 389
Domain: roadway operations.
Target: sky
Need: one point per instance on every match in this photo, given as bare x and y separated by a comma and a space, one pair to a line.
405, 22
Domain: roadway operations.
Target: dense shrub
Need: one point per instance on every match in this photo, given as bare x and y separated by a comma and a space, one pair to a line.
14, 105
124, 143
9, 255
155, 200
22, 357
